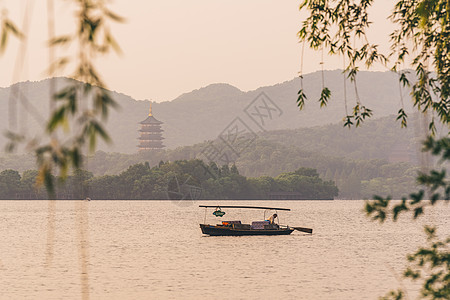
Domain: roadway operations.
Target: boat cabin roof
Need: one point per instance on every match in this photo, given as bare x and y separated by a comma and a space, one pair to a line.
240, 206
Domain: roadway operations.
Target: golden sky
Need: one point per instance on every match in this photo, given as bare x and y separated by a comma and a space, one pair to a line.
174, 46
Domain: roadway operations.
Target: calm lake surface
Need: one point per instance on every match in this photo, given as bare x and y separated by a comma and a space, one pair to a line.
155, 250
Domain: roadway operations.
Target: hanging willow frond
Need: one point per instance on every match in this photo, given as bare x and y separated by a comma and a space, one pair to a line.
82, 107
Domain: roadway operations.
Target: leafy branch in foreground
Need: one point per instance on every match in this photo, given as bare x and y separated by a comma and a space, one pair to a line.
421, 38
340, 27
431, 263
82, 106
436, 259
7, 28
435, 182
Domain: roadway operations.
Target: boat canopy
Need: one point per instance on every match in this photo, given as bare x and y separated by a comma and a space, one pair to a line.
240, 206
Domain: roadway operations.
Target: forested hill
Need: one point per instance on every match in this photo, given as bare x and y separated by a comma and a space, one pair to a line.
382, 138
204, 113
377, 139
356, 179
378, 158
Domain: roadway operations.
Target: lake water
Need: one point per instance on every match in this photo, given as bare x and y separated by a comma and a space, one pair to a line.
155, 250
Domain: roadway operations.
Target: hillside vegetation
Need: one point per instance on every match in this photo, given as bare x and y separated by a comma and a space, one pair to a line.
179, 180
377, 158
359, 164
204, 113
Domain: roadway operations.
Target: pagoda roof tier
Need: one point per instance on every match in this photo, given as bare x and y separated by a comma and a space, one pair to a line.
149, 136
151, 125
150, 142
151, 130
149, 133
150, 147
151, 120
142, 138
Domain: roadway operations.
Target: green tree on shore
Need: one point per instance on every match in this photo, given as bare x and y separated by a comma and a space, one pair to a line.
9, 184
171, 180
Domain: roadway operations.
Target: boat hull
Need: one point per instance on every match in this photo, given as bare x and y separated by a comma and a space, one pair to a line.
221, 231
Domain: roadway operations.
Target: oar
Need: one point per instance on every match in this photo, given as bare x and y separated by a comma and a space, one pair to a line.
303, 229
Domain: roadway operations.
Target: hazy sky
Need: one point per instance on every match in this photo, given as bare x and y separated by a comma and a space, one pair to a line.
174, 46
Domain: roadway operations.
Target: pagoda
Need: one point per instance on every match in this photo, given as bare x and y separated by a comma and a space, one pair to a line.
150, 133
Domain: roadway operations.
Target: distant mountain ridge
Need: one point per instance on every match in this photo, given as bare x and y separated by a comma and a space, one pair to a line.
204, 113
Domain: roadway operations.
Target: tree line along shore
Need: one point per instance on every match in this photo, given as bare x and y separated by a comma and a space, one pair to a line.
178, 180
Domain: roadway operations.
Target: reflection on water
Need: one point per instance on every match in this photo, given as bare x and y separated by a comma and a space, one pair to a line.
50, 232
155, 250
82, 241
83, 245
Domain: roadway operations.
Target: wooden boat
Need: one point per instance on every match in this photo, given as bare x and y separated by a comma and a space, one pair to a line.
236, 228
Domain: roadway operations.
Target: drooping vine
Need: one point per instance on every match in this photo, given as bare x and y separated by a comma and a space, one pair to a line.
421, 40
